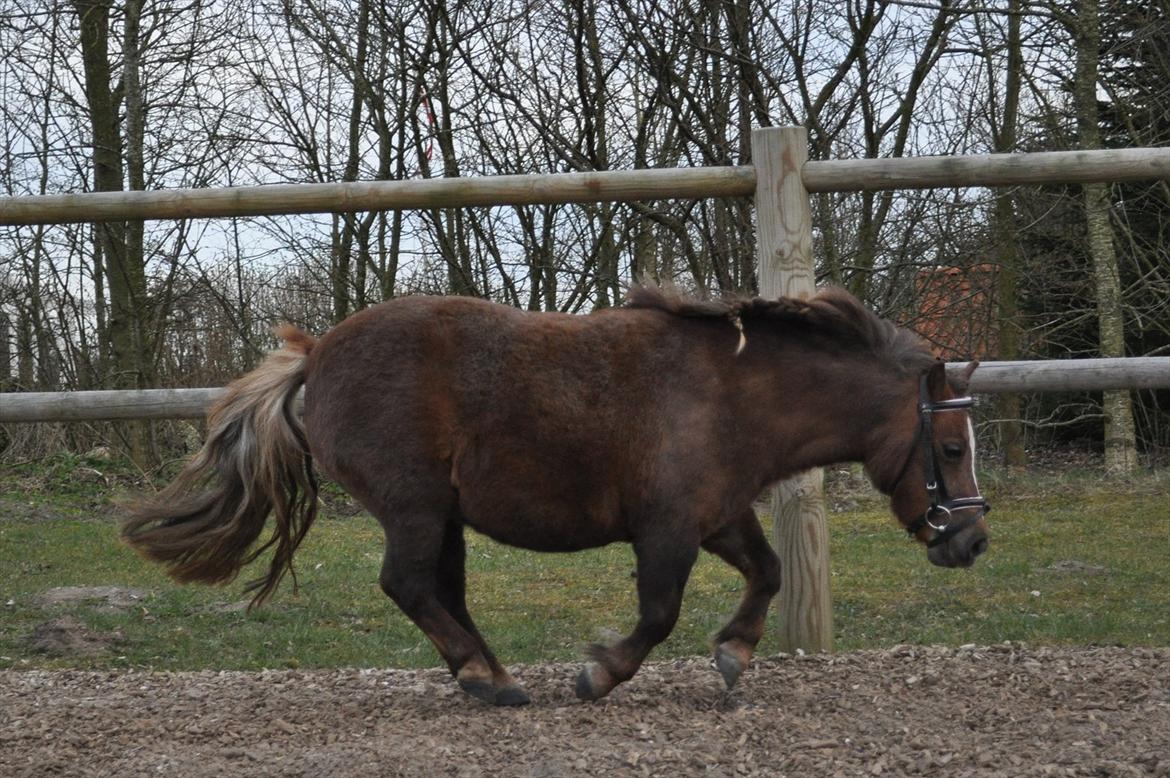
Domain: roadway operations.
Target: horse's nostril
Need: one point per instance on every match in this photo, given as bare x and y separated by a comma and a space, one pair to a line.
978, 547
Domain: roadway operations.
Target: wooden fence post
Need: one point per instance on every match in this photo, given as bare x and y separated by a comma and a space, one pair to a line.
800, 532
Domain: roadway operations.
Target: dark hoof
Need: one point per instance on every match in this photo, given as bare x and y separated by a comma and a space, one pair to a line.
593, 683
729, 664
584, 688
480, 690
512, 696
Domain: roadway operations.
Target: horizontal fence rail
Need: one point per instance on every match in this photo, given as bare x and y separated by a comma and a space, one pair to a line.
1049, 167
1064, 375
282, 199
1034, 169
1069, 375
107, 404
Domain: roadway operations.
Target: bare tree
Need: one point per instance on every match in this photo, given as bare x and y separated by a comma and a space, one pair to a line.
1003, 131
1120, 445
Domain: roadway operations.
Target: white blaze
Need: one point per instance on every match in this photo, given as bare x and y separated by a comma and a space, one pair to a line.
971, 446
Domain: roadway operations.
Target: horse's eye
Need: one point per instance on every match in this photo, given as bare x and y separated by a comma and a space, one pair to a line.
953, 450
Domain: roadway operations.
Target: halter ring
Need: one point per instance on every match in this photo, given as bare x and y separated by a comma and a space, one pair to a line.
931, 512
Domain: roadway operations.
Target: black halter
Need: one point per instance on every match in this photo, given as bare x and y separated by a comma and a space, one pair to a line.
942, 506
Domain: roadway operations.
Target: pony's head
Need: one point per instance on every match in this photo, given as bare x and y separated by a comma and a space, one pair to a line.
934, 493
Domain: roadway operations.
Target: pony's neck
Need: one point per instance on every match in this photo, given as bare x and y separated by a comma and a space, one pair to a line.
840, 409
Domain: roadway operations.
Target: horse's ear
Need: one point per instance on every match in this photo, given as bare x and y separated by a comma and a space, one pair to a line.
936, 379
969, 370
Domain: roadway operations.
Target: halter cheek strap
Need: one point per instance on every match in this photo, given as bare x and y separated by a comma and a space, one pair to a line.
940, 515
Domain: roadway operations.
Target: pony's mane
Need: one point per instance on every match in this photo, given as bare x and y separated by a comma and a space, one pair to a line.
832, 312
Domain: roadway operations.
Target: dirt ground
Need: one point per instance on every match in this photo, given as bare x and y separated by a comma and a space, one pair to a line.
1003, 710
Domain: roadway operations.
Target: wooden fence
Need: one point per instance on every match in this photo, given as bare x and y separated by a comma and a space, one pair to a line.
780, 180
990, 378
1050, 167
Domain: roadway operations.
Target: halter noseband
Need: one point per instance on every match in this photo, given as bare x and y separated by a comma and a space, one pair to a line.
942, 505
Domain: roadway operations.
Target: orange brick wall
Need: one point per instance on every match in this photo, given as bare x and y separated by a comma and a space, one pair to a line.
956, 311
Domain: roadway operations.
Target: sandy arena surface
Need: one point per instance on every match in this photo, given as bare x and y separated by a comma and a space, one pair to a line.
1001, 710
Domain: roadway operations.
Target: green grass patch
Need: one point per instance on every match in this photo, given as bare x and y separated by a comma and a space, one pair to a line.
1075, 559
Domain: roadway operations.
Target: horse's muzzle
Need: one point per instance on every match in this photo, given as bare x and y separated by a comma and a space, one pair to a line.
960, 550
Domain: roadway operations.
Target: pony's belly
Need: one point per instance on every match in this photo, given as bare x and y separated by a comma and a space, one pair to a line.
546, 542
540, 503
552, 531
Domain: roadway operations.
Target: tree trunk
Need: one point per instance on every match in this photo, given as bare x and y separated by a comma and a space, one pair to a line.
1120, 447
121, 248
5, 352
343, 257
1007, 257
594, 103
25, 368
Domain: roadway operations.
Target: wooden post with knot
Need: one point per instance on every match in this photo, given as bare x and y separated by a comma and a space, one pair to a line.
800, 531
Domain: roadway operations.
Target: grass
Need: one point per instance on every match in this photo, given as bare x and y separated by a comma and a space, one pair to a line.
1116, 591
58, 528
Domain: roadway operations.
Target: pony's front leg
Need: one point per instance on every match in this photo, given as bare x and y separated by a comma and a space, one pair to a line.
742, 545
664, 564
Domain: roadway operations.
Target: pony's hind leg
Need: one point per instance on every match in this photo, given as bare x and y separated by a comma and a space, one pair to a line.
410, 577
742, 545
664, 564
452, 591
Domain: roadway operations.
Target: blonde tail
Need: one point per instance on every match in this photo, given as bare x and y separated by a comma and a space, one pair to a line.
256, 461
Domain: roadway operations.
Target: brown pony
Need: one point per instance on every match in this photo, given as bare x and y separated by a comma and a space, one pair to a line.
657, 424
